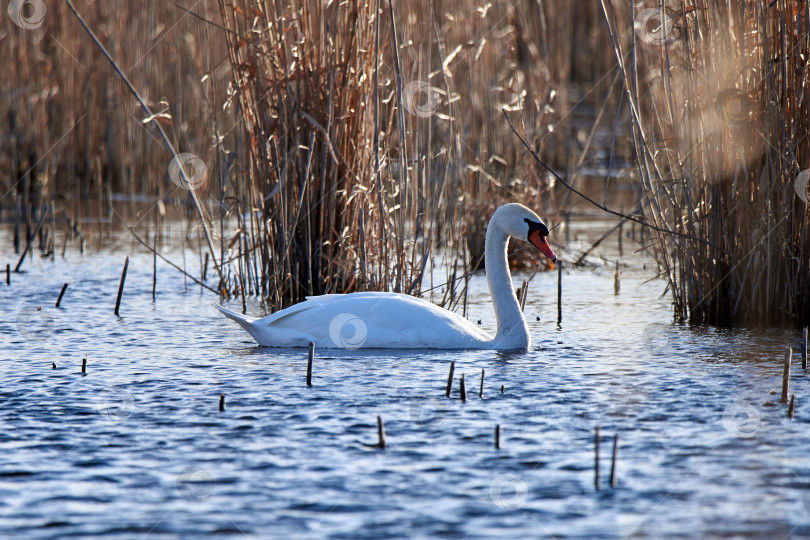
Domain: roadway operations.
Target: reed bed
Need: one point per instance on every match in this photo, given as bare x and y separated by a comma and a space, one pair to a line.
717, 98
72, 132
376, 138
348, 145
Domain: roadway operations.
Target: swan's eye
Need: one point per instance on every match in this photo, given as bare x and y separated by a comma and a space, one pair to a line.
535, 226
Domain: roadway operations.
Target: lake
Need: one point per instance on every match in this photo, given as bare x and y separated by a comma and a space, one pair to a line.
139, 448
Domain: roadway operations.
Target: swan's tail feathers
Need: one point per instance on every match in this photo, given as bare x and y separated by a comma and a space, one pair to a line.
243, 320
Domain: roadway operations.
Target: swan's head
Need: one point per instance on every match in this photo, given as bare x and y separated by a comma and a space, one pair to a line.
518, 221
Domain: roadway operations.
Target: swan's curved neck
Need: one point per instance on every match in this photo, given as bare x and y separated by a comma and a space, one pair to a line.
512, 329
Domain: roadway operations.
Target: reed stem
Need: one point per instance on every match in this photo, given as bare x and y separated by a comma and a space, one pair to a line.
121, 285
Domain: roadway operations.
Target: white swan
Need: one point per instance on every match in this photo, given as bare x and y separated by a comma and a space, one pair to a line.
382, 320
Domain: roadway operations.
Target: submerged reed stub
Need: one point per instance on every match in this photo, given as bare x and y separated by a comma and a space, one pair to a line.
380, 432
84, 366
462, 389
8, 274
786, 376
449, 388
121, 285
597, 482
481, 389
792, 403
559, 292
613, 477
617, 280
310, 356
61, 294
154, 266
222, 402
497, 436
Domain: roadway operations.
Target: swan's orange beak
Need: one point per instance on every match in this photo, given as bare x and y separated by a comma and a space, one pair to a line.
539, 241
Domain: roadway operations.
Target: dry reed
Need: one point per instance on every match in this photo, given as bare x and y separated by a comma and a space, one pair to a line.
717, 98
349, 145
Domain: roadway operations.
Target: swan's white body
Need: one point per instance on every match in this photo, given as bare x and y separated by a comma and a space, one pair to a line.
380, 320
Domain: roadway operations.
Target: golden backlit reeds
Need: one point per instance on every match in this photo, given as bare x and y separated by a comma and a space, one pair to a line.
366, 164
334, 165
719, 111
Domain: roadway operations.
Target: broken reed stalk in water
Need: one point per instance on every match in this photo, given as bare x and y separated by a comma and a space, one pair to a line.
8, 274
613, 477
497, 436
597, 482
559, 293
380, 432
61, 294
310, 356
617, 282
154, 266
481, 389
121, 285
84, 366
462, 389
221, 402
792, 403
786, 376
449, 388
522, 293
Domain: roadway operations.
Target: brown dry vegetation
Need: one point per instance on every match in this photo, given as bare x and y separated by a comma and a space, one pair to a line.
340, 166
718, 93
342, 156
374, 151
